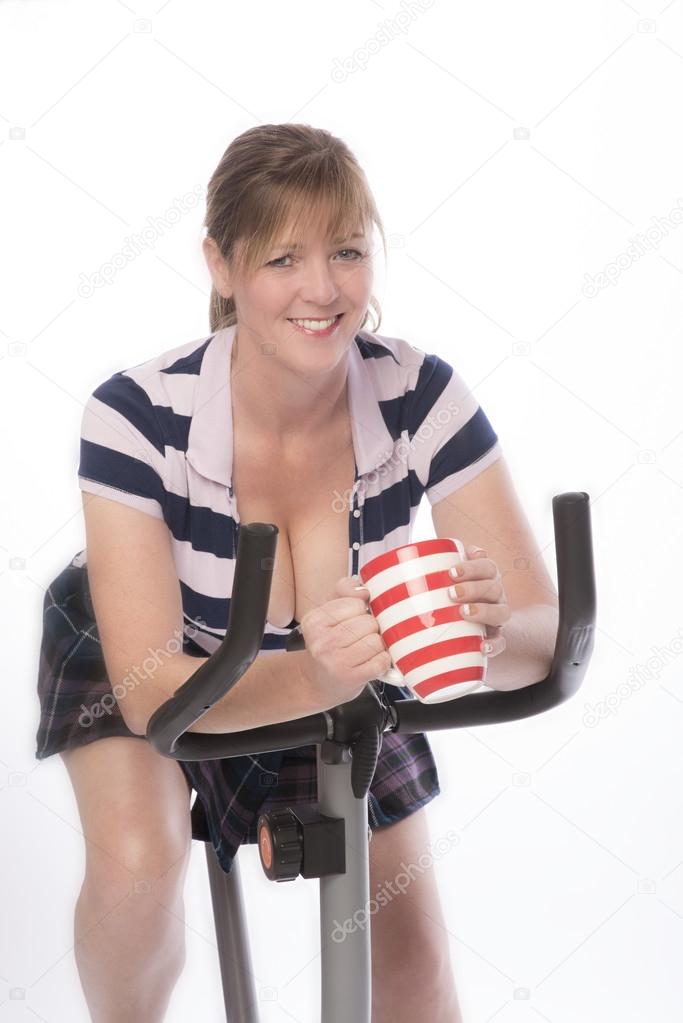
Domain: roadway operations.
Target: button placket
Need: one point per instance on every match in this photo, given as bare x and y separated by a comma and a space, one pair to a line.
354, 519
232, 504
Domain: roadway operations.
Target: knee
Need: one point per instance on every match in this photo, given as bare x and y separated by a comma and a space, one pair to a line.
133, 860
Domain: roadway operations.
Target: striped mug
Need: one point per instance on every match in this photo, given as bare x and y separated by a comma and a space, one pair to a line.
435, 652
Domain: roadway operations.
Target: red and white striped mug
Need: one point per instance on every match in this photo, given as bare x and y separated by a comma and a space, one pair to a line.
435, 652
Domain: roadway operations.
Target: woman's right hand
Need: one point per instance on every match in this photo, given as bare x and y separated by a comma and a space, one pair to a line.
344, 649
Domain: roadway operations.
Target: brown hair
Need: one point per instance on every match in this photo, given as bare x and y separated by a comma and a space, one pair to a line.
278, 174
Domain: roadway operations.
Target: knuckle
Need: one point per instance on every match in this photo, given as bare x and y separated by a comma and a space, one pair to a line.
313, 618
370, 646
313, 647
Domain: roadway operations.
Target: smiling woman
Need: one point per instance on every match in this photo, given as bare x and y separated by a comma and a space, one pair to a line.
290, 220
176, 452
257, 216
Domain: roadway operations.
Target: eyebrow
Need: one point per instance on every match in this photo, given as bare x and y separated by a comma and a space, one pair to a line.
335, 241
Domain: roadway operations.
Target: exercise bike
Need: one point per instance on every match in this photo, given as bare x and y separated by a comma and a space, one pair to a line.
330, 840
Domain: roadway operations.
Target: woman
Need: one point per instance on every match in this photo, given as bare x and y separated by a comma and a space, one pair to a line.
272, 418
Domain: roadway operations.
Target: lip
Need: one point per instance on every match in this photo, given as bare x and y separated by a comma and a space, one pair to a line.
316, 333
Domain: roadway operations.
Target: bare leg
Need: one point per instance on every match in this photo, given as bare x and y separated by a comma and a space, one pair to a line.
412, 977
129, 922
129, 954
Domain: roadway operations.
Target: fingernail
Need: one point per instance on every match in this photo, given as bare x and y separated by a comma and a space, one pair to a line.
360, 587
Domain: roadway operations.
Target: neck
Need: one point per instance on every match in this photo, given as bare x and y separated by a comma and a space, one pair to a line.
279, 402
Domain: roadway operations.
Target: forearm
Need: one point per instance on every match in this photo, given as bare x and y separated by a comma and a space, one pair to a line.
274, 688
530, 635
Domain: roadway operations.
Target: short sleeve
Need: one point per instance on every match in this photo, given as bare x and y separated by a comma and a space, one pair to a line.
452, 440
122, 451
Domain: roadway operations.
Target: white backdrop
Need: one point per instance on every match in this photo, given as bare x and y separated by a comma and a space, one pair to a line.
526, 160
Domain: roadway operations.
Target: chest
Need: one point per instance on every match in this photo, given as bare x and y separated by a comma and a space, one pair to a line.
306, 493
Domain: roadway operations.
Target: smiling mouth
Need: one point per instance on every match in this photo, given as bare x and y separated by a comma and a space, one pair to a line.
314, 319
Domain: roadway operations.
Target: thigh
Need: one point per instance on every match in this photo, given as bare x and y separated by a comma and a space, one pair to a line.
409, 935
134, 806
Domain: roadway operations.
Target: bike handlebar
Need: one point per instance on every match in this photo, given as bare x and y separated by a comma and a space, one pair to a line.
167, 727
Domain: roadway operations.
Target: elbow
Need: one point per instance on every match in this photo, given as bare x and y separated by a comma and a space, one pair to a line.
126, 698
134, 716
138, 712
137, 724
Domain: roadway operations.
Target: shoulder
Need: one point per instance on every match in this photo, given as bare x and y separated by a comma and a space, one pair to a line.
404, 368
157, 377
151, 389
390, 361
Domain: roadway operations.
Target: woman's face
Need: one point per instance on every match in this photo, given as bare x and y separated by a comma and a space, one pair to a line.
318, 282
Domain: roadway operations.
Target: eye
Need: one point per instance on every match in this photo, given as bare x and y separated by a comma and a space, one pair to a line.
278, 265
359, 254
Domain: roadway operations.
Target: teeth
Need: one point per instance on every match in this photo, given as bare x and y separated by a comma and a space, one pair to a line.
315, 324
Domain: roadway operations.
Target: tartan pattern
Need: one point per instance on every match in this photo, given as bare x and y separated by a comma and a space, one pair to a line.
72, 682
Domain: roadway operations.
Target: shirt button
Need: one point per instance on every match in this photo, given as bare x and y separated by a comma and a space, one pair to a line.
356, 512
356, 546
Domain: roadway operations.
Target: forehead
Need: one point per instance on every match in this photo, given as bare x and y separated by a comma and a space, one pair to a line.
311, 237
319, 221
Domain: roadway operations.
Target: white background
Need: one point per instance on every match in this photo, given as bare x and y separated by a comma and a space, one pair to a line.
512, 149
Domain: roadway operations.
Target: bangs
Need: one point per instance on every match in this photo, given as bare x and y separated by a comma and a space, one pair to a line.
284, 216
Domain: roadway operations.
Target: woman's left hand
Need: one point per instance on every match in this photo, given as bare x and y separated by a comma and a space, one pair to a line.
480, 585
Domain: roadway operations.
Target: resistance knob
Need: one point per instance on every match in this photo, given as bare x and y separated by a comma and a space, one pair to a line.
280, 844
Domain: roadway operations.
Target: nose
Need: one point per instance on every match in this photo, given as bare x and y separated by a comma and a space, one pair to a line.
318, 286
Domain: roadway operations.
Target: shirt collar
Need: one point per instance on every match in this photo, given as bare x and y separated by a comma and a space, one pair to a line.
210, 441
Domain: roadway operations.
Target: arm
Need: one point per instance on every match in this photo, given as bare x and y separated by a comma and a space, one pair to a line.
529, 646
274, 688
487, 511
137, 602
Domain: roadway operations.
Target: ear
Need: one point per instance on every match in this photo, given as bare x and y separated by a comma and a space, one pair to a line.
218, 268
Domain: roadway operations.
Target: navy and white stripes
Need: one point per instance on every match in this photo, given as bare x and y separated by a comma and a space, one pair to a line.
158, 437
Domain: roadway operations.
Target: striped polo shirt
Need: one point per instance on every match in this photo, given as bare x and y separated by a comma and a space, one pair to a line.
158, 437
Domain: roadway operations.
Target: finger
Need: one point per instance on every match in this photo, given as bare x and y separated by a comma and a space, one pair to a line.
495, 615
359, 590
491, 646
485, 590
475, 552
493, 631
359, 629
343, 605
346, 587
350, 586
477, 568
